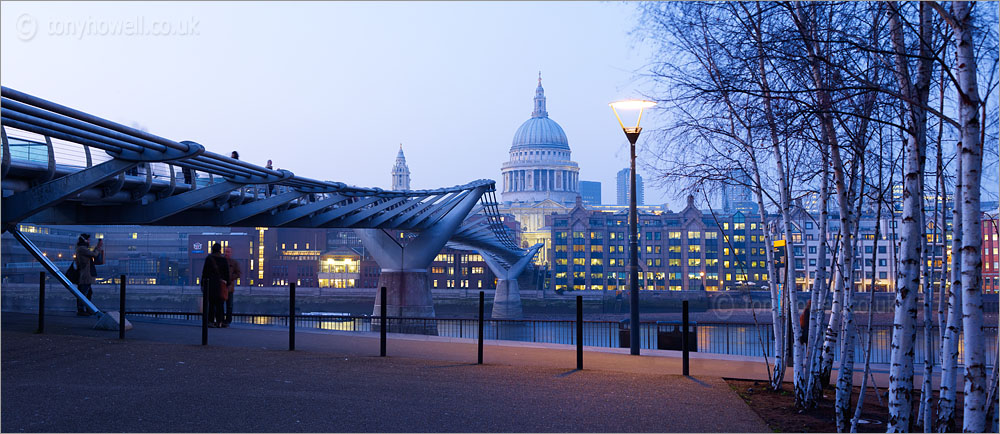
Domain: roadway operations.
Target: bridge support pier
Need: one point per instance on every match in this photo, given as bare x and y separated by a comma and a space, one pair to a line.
405, 261
507, 300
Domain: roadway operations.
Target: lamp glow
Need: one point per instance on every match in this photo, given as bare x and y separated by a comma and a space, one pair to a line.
631, 104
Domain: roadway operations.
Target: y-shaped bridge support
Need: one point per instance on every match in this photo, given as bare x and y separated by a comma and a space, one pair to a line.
404, 268
507, 300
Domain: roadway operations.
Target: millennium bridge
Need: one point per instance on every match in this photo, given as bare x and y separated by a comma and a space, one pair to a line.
62, 166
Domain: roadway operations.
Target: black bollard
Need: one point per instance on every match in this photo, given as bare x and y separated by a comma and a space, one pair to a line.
291, 316
204, 313
482, 303
579, 332
382, 330
41, 302
684, 337
121, 308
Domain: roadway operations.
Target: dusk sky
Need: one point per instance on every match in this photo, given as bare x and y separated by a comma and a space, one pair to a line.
330, 90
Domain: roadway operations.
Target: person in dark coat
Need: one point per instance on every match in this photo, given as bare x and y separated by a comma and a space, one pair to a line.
84, 264
215, 279
234, 276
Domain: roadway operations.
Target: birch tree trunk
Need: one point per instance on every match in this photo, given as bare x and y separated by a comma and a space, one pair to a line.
821, 288
806, 29
871, 305
974, 416
925, 388
772, 126
953, 328
845, 369
912, 243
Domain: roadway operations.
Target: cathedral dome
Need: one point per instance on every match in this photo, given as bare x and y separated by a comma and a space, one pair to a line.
540, 131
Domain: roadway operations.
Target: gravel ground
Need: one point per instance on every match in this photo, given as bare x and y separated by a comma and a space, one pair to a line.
71, 383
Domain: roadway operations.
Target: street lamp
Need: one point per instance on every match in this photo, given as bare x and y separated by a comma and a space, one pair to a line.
632, 133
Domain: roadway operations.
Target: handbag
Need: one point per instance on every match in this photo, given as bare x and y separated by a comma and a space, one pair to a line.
99, 260
72, 273
223, 291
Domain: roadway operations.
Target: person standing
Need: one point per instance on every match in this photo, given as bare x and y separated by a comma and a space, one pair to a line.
84, 261
214, 275
234, 275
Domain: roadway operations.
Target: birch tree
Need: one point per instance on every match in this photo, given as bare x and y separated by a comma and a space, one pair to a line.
960, 19
915, 92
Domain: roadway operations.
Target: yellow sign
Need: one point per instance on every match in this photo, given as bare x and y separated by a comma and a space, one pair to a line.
779, 243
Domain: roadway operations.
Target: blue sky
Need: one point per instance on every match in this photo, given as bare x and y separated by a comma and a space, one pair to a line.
330, 90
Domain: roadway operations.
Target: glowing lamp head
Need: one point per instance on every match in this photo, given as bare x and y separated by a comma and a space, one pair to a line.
631, 105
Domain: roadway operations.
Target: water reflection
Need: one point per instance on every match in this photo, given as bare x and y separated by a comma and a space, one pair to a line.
736, 339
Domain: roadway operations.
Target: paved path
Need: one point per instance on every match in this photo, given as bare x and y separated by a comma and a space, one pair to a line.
74, 378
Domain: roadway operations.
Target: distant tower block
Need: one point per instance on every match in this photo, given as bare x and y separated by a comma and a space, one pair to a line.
400, 172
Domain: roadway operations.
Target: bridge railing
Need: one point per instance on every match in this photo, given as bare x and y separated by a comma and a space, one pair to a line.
738, 339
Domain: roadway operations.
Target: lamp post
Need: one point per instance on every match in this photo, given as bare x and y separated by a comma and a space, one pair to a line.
632, 133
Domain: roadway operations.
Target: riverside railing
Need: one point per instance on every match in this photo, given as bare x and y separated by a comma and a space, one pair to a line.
740, 339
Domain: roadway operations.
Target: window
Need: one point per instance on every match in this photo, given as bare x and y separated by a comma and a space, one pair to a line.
674, 262
711, 235
694, 262
579, 261
694, 248
674, 235
694, 235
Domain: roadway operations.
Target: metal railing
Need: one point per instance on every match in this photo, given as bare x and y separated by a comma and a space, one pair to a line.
738, 339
